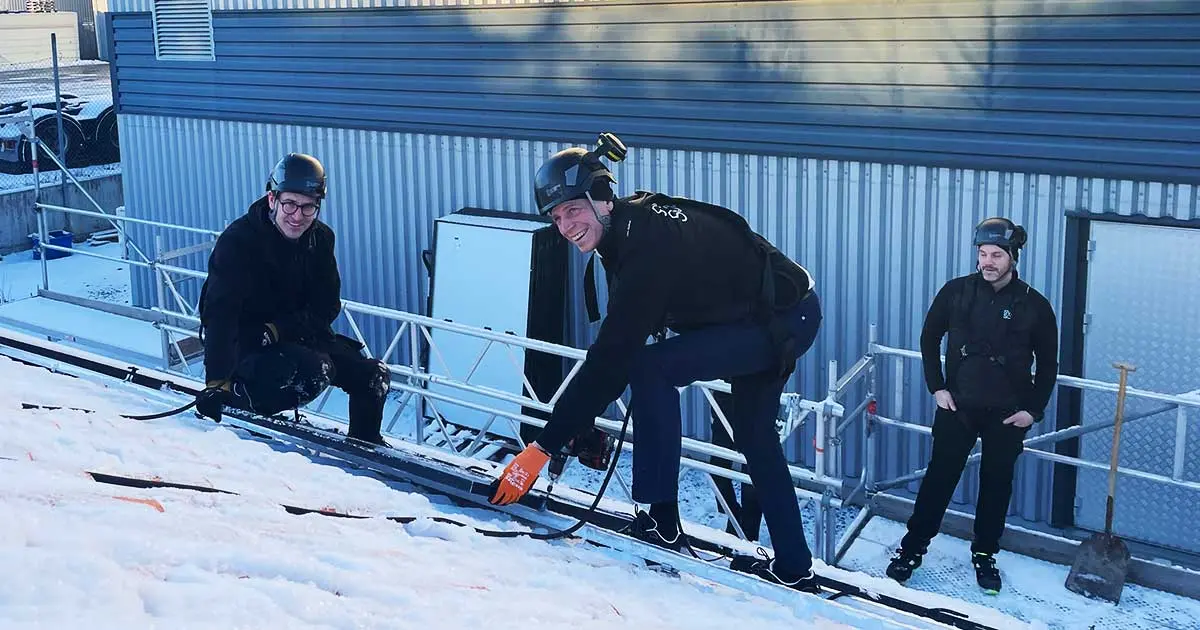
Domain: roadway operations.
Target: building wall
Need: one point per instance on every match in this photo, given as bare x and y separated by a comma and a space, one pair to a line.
86, 16
866, 139
1096, 89
880, 239
130, 6
18, 219
25, 37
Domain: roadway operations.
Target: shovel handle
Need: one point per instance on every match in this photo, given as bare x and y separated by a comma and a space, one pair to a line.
1125, 369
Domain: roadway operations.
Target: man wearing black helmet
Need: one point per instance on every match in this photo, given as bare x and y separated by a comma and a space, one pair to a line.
996, 324
742, 311
266, 310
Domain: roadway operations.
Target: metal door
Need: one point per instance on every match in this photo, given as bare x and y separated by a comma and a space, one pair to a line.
1143, 307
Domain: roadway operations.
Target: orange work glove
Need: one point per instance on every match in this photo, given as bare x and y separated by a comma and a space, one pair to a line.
519, 475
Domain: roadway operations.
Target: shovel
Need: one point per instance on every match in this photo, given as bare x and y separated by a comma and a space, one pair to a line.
1103, 559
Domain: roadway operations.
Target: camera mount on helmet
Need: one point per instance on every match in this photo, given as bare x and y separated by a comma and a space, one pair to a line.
611, 147
571, 173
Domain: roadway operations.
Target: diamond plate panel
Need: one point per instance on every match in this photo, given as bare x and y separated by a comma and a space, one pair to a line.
1144, 300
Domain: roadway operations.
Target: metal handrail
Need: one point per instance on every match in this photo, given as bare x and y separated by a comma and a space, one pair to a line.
831, 424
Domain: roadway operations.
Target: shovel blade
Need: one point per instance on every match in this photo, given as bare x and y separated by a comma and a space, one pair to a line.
1101, 565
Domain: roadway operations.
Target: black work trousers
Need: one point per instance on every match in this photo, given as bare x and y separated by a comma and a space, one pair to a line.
954, 434
286, 376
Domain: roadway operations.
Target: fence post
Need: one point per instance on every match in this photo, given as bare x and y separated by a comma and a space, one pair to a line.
62, 140
832, 466
160, 295
870, 422
37, 199
414, 362
819, 445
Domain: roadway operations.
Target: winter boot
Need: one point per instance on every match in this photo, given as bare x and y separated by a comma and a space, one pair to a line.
986, 572
903, 564
764, 568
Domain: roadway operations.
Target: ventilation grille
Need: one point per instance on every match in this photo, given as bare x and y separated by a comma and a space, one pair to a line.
183, 30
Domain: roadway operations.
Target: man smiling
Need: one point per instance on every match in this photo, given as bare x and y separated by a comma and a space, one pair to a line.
996, 325
742, 312
266, 310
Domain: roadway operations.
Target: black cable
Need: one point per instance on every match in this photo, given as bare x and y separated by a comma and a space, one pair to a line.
164, 414
550, 535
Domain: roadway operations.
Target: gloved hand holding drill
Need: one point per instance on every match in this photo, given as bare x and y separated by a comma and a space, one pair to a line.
594, 449
518, 477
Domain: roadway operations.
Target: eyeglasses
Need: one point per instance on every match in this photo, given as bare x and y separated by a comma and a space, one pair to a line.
306, 209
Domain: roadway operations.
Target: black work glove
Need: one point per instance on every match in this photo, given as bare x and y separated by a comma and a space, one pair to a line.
209, 401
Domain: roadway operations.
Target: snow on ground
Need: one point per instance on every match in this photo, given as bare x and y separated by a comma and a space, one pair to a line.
21, 275
36, 80
1034, 589
99, 556
85, 79
13, 182
184, 562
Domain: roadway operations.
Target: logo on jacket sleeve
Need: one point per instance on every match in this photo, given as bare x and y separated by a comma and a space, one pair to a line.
670, 211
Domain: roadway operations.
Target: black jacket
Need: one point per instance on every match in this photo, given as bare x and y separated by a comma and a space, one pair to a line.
993, 338
670, 262
255, 277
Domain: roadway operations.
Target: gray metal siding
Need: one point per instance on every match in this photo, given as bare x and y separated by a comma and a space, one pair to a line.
880, 239
1104, 88
128, 6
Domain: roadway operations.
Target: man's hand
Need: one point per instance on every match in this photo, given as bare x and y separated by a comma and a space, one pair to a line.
209, 401
519, 475
1021, 419
944, 399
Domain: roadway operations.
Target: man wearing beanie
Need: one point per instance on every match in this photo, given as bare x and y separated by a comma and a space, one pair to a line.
996, 324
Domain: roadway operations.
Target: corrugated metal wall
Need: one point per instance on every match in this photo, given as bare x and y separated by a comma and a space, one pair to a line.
130, 6
1095, 89
880, 239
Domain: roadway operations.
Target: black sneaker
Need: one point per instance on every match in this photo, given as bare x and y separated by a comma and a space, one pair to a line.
903, 564
370, 442
645, 528
986, 572
764, 567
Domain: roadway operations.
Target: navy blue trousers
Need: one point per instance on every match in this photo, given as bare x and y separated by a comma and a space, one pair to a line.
741, 354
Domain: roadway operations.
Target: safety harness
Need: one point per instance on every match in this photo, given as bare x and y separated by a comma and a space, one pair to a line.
769, 310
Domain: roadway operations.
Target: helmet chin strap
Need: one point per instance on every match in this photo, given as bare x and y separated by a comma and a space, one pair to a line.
605, 220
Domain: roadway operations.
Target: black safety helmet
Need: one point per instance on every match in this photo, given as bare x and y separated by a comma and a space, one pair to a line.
1002, 233
298, 173
572, 173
